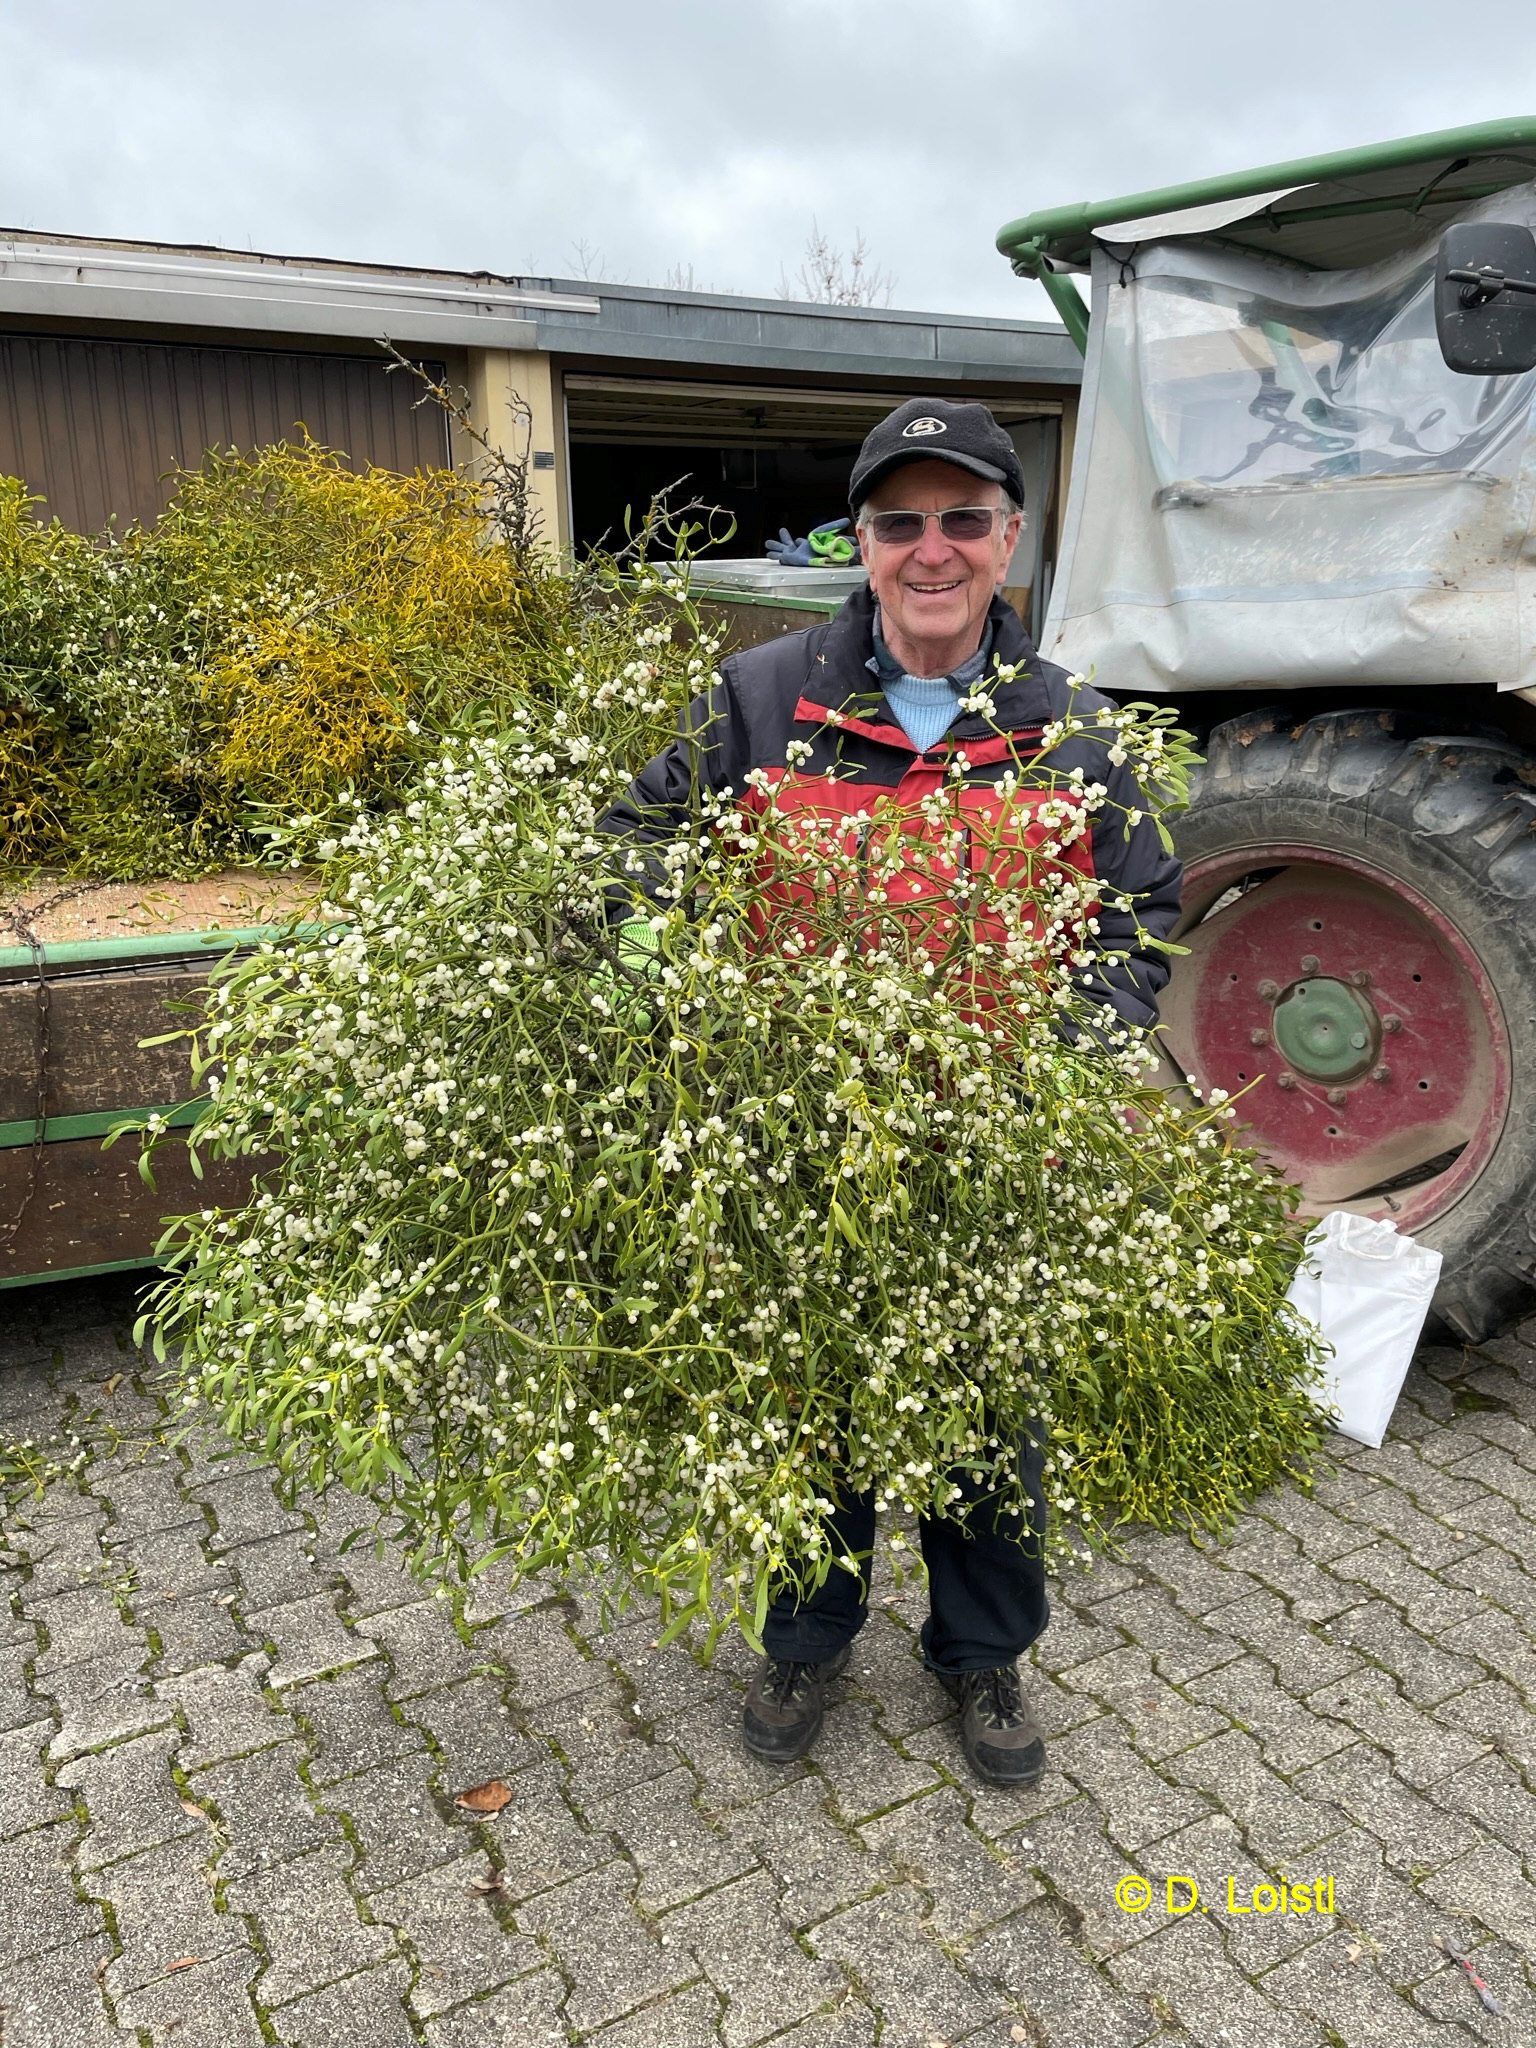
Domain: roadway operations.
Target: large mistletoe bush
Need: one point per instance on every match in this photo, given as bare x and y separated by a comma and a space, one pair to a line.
630, 1257
290, 636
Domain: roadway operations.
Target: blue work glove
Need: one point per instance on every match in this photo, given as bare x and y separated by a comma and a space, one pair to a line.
822, 548
788, 552
831, 548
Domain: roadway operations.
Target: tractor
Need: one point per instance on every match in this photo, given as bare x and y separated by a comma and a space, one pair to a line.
1302, 509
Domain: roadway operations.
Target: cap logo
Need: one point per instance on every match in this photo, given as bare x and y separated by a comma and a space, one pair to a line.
914, 430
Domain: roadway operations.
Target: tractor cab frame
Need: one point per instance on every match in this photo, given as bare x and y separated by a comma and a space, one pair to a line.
1303, 506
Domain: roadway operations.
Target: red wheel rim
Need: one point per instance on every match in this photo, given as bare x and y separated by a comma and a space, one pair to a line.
1360, 1029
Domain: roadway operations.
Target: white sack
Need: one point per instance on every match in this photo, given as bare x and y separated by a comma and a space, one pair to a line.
1367, 1289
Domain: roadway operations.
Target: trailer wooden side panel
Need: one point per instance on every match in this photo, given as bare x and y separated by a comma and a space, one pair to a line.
90, 1209
82, 1209
96, 1061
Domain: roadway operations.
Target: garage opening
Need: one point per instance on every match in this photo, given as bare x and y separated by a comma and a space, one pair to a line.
770, 457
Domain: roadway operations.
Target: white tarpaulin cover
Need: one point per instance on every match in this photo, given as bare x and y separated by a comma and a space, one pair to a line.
1278, 481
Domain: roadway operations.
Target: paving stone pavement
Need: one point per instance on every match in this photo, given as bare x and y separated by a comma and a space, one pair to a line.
229, 1747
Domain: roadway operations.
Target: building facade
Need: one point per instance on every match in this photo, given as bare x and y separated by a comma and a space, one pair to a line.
120, 362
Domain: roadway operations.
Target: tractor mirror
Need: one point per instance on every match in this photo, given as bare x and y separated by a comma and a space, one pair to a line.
1485, 298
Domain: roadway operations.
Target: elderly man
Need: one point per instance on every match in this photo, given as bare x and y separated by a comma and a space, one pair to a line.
937, 495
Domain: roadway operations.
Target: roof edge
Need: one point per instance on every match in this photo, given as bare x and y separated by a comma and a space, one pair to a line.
525, 285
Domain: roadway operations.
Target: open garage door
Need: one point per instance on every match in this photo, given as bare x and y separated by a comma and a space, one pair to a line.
770, 456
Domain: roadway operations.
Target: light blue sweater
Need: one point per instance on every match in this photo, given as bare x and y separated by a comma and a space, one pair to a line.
925, 706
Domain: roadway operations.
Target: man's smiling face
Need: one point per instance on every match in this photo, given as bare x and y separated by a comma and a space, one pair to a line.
934, 592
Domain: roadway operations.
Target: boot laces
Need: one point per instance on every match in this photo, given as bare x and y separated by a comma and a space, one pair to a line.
999, 1697
784, 1682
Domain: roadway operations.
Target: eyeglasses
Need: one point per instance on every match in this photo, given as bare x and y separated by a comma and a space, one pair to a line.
959, 522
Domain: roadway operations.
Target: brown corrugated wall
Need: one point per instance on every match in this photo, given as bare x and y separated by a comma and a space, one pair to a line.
93, 426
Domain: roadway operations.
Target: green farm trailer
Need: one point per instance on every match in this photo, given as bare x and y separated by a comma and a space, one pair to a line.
1290, 515
99, 971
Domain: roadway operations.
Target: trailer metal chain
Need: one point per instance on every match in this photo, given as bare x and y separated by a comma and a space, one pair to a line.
24, 924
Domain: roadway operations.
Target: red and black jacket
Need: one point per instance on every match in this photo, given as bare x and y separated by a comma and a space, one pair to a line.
816, 687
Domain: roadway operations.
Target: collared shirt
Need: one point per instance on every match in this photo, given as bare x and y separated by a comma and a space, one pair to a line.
925, 706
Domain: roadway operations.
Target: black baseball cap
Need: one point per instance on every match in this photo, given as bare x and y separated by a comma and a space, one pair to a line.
937, 430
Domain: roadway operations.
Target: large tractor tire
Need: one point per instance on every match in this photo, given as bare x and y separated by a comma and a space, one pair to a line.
1360, 913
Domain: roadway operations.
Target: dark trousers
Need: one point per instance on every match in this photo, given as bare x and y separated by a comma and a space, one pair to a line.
986, 1583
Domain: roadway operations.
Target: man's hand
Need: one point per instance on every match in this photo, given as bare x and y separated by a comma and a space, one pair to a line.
636, 945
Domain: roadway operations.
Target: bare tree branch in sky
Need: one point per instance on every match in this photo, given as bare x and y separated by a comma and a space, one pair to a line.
590, 264
827, 277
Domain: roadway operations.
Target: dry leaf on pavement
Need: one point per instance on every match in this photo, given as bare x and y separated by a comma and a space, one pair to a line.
490, 1797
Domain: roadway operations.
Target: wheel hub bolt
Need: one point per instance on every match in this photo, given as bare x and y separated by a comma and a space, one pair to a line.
1286, 1081
1269, 990
1309, 963
1391, 1023
1360, 978
1258, 1037
1338, 1097
1382, 1073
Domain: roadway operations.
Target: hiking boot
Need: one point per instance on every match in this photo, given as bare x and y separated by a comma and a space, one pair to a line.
782, 1716
1000, 1737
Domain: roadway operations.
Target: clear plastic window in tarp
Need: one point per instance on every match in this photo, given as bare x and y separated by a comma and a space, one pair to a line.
1278, 481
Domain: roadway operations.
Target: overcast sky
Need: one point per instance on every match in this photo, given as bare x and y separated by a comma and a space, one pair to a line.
507, 136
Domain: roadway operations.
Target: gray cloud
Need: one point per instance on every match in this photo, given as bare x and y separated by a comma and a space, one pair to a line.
479, 135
